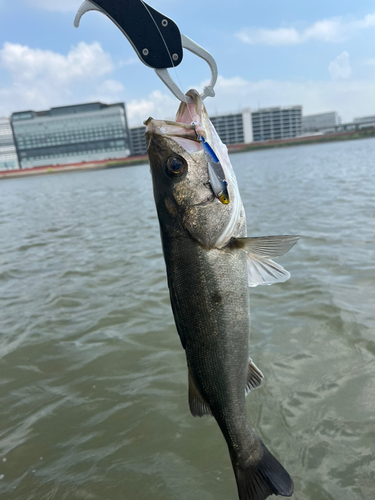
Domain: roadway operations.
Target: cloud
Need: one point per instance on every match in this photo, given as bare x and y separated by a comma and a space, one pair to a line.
333, 30
108, 91
129, 62
82, 62
56, 5
157, 104
340, 67
43, 78
349, 98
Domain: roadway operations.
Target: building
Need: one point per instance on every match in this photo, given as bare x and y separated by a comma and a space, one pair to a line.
365, 121
71, 134
138, 141
276, 123
243, 127
234, 128
320, 122
8, 155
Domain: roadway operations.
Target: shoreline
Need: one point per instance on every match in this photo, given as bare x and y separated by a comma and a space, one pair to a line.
233, 148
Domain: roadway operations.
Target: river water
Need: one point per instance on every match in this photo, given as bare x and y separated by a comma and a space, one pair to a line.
93, 382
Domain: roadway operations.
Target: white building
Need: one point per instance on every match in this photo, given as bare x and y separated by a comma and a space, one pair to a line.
276, 123
320, 122
365, 121
243, 127
71, 134
234, 128
8, 154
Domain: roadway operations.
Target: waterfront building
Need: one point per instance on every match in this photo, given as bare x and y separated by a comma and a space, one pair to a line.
138, 141
365, 121
71, 134
8, 155
276, 123
235, 128
320, 122
243, 127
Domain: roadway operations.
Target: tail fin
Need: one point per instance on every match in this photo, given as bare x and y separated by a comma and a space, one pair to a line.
260, 480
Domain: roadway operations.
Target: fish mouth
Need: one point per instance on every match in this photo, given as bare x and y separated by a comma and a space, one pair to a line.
186, 130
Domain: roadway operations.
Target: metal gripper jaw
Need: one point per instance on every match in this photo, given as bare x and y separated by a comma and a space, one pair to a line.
155, 38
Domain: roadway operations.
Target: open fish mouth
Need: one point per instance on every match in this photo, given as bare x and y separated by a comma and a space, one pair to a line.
187, 135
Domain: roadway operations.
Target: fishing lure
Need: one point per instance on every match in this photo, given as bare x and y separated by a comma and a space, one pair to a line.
216, 175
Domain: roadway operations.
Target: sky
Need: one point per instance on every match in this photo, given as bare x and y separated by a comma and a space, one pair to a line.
320, 55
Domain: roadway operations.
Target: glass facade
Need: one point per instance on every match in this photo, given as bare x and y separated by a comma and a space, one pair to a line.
71, 134
8, 155
230, 128
321, 121
276, 123
138, 141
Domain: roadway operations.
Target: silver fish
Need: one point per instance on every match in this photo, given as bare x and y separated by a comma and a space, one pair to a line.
210, 263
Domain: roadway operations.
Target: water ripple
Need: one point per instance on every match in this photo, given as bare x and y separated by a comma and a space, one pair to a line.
93, 386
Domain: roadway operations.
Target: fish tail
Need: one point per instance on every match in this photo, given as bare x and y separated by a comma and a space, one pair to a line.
259, 480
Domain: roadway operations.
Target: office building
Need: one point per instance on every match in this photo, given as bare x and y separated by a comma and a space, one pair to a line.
320, 122
234, 128
138, 141
276, 123
8, 155
365, 121
71, 134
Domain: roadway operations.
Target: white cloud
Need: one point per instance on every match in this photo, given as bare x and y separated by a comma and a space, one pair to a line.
82, 62
333, 30
340, 68
157, 104
129, 62
280, 36
56, 5
349, 98
108, 91
44, 78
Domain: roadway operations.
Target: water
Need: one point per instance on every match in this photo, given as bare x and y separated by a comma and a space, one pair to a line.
93, 383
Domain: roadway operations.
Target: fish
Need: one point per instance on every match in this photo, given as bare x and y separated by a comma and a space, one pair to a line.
210, 263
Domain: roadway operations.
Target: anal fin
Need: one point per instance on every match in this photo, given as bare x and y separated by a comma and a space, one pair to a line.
198, 406
254, 377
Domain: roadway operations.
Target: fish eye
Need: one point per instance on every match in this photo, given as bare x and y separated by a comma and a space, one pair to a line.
174, 166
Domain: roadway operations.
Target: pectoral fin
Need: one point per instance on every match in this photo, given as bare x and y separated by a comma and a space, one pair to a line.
254, 377
264, 272
261, 270
266, 247
198, 406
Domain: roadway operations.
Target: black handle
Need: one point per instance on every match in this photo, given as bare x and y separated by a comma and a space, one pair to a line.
145, 28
